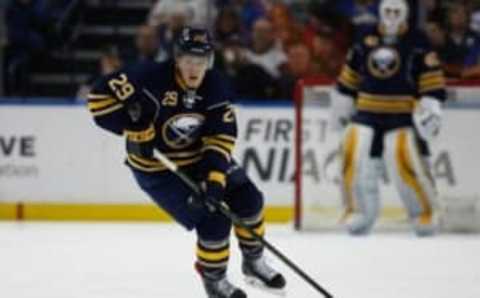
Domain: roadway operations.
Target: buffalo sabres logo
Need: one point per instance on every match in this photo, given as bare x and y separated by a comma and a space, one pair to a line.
182, 130
384, 62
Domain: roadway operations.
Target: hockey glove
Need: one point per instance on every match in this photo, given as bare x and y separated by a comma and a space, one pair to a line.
212, 193
214, 189
141, 141
140, 131
427, 118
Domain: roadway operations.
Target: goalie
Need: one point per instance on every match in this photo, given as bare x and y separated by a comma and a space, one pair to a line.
183, 109
395, 87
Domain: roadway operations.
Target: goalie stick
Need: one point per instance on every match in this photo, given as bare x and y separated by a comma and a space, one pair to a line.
225, 210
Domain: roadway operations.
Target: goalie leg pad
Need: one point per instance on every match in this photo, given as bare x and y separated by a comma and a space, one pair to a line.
410, 172
359, 179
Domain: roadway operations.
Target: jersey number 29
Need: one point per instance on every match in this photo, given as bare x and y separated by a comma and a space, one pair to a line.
121, 87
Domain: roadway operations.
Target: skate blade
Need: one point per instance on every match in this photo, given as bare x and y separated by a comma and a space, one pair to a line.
257, 283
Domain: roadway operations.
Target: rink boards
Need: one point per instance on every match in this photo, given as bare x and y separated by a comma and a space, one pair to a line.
55, 164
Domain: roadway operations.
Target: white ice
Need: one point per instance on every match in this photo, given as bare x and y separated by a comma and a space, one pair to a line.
75, 260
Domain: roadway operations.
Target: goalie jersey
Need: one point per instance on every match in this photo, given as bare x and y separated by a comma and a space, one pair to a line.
150, 105
387, 79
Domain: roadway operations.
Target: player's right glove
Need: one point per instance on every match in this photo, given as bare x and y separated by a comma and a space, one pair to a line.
427, 118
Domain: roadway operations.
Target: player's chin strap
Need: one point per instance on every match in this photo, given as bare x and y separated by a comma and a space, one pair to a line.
223, 208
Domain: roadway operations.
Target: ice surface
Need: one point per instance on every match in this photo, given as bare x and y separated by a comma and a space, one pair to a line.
74, 260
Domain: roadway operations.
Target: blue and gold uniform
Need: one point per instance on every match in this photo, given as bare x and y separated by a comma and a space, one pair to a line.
386, 80
150, 105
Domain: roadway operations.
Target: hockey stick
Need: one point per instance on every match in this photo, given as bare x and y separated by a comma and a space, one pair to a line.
225, 210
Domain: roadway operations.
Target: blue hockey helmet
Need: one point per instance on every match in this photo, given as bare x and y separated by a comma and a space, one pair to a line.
194, 41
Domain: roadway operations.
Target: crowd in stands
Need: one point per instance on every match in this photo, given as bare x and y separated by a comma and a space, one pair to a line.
33, 28
263, 46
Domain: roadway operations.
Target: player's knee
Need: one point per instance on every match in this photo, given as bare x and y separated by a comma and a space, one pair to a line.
247, 200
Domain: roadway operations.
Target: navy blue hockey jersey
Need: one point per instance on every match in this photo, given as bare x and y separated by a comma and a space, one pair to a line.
149, 103
389, 79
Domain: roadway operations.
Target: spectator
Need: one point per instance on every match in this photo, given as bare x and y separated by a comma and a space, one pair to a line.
460, 40
199, 13
108, 63
437, 37
472, 63
285, 28
360, 13
327, 57
228, 25
230, 56
429, 10
249, 80
299, 64
26, 43
62, 16
265, 50
147, 45
35, 28
475, 21
169, 22
324, 20
248, 10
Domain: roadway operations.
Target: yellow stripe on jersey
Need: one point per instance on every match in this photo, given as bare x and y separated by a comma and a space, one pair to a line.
222, 151
431, 81
217, 176
387, 104
382, 97
143, 164
183, 154
150, 165
93, 96
349, 78
102, 104
140, 136
95, 105
214, 141
431, 74
225, 137
432, 88
222, 143
108, 110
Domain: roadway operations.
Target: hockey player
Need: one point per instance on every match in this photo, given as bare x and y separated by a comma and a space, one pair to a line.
182, 108
397, 87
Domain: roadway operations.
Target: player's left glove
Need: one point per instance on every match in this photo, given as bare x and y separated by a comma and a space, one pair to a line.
427, 118
214, 189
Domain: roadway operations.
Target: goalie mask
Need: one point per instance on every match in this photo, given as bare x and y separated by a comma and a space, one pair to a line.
393, 17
